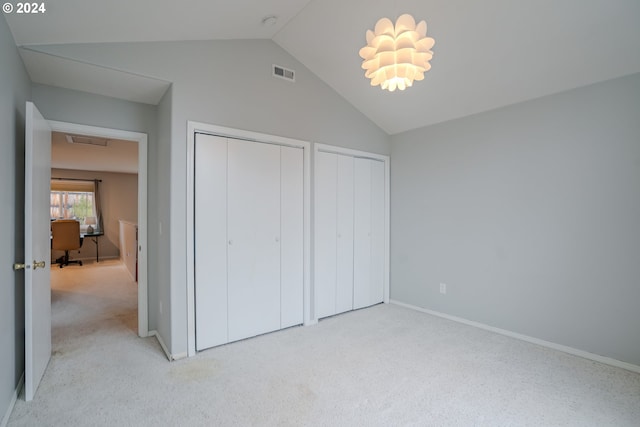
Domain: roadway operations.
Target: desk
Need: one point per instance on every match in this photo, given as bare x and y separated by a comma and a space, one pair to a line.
94, 238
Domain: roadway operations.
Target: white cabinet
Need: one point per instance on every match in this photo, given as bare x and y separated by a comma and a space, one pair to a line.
349, 233
248, 239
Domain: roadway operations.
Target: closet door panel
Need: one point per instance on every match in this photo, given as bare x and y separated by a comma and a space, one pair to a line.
292, 236
254, 239
362, 233
377, 232
325, 234
210, 241
344, 247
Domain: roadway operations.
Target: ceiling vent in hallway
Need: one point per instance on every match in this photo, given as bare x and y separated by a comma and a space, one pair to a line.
284, 73
87, 140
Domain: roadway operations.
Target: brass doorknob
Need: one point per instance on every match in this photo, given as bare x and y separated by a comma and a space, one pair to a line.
41, 264
17, 266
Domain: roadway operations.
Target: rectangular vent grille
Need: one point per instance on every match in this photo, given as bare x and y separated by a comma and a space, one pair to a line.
284, 73
87, 140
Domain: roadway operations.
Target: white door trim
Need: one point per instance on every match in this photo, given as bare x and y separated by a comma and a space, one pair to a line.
387, 199
141, 139
197, 127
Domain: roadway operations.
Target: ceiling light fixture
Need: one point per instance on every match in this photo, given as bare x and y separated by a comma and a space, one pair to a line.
397, 55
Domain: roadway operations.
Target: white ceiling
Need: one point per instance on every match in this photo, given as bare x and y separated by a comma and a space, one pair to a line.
487, 54
118, 156
69, 74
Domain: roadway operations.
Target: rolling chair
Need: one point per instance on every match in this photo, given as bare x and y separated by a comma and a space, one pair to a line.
66, 237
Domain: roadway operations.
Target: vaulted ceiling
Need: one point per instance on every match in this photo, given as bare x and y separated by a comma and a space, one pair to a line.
487, 54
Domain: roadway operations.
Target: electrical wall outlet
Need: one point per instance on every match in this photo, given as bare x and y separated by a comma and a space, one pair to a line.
443, 288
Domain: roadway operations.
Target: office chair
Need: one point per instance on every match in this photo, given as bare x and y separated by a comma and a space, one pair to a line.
66, 237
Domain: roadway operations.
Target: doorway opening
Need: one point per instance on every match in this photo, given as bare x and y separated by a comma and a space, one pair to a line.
130, 233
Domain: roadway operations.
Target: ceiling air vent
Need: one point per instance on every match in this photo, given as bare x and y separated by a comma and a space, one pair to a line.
87, 140
284, 73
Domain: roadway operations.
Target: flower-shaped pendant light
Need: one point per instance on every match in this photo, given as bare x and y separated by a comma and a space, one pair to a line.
397, 55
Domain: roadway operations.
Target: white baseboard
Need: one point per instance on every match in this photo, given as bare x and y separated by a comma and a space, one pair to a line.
159, 339
570, 350
16, 393
102, 258
170, 356
179, 356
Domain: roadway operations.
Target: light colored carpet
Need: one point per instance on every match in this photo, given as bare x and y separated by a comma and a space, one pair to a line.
384, 366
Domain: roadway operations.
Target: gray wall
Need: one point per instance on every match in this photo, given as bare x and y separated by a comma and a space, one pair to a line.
14, 92
162, 271
227, 83
119, 200
530, 215
95, 110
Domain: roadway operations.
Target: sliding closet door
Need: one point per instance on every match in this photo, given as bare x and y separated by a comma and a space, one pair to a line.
344, 246
210, 240
369, 248
326, 183
349, 233
253, 238
376, 290
362, 233
249, 239
292, 236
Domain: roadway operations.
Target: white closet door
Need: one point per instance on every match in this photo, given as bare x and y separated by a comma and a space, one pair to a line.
210, 241
325, 231
362, 233
253, 239
369, 235
377, 232
344, 247
292, 236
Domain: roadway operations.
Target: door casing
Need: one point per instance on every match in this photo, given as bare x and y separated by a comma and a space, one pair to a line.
141, 139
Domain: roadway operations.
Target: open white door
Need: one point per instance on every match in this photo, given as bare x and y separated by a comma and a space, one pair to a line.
37, 249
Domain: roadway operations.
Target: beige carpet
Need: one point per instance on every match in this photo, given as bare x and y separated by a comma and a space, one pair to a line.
383, 366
